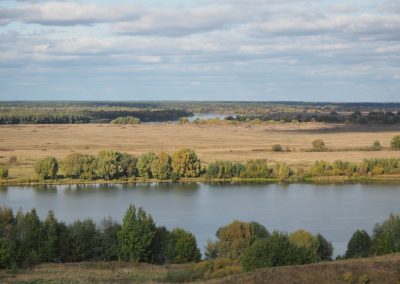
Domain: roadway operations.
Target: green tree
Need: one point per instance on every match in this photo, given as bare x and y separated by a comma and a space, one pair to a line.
234, 238
376, 146
275, 250
324, 249
395, 143
136, 236
144, 164
128, 165
386, 236
46, 168
51, 239
109, 240
109, 165
159, 246
182, 247
29, 238
7, 237
359, 245
185, 163
161, 167
78, 165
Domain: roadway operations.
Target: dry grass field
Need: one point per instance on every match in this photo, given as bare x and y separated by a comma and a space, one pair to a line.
211, 141
384, 269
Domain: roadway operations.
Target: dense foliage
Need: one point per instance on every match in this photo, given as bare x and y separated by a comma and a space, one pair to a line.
26, 240
126, 120
46, 168
359, 245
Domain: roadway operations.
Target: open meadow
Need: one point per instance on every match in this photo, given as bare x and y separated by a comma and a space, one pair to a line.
210, 141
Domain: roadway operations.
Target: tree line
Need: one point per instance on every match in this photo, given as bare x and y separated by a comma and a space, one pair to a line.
357, 117
25, 239
184, 163
17, 115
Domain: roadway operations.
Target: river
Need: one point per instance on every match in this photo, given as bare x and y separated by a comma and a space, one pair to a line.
334, 210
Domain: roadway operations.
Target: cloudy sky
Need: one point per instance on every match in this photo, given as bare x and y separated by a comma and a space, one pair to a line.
200, 50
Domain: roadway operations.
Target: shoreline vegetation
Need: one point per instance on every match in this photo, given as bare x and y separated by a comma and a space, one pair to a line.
184, 166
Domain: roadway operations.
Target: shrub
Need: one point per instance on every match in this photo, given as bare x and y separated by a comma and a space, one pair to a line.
183, 120
79, 166
225, 169
363, 279
359, 245
318, 145
13, 159
182, 247
257, 169
3, 173
348, 277
126, 120
376, 146
395, 143
234, 238
161, 167
185, 163
276, 250
46, 168
144, 164
284, 172
277, 148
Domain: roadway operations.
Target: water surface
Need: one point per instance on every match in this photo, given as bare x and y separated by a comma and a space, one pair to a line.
335, 211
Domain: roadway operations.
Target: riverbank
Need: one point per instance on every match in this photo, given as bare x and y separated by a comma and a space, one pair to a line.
394, 179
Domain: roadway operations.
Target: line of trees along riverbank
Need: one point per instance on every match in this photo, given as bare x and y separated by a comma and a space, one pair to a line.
25, 240
184, 164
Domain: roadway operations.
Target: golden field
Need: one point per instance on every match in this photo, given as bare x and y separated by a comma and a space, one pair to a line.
211, 141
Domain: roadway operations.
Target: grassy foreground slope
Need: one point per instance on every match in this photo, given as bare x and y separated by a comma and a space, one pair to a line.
383, 269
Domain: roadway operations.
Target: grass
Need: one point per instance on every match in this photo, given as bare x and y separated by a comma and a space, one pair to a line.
383, 269
211, 142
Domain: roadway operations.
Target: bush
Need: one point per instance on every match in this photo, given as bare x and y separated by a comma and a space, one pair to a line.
225, 169
126, 120
277, 148
79, 166
46, 168
359, 245
234, 238
182, 247
185, 163
13, 159
3, 173
257, 169
318, 145
395, 143
277, 250
376, 146
144, 164
161, 167
183, 120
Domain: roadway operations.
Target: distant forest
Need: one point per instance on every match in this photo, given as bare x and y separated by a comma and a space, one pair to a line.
53, 112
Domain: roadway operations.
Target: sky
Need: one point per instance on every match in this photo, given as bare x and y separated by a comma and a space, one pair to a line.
248, 50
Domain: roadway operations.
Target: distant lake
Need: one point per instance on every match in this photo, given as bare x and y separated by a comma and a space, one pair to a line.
335, 211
